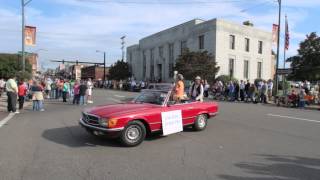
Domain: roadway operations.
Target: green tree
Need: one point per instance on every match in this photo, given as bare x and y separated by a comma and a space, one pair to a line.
192, 64
226, 78
11, 65
119, 71
306, 65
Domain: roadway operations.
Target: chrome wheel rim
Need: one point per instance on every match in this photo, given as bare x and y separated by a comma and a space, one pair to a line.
133, 133
201, 122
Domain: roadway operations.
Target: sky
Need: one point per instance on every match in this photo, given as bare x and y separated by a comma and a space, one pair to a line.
75, 29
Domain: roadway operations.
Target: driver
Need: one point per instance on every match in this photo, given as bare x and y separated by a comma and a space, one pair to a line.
196, 90
179, 89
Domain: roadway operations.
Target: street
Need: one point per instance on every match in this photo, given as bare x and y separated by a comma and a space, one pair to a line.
243, 142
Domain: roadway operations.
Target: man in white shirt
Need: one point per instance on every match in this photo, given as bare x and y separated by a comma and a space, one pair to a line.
89, 91
196, 90
12, 90
133, 85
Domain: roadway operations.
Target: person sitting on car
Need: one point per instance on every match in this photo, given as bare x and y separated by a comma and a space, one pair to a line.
196, 90
179, 88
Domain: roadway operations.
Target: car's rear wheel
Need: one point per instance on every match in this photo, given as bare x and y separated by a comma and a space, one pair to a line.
133, 134
200, 122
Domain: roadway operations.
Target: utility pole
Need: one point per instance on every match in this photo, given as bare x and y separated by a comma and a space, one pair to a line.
278, 48
104, 65
104, 69
123, 46
23, 4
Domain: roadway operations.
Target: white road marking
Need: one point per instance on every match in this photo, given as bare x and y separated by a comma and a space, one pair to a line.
115, 100
290, 117
119, 96
6, 119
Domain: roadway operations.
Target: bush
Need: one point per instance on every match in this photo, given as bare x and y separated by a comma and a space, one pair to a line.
25, 76
225, 78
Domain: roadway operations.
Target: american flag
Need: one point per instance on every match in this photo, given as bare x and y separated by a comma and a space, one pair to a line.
287, 35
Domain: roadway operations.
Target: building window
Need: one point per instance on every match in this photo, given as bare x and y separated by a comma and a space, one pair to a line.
161, 51
144, 64
171, 59
260, 44
201, 42
247, 44
259, 69
232, 40
231, 67
183, 46
152, 64
246, 69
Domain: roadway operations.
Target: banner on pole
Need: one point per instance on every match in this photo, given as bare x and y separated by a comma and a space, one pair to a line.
30, 35
275, 29
287, 36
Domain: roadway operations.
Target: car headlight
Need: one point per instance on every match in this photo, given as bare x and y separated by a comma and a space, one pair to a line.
112, 122
103, 122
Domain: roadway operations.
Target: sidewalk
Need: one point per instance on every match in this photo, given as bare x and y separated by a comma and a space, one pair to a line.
3, 106
272, 103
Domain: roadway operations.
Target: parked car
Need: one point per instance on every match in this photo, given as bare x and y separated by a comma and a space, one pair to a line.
160, 86
131, 122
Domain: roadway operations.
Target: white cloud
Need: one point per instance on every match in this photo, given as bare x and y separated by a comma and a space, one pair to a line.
78, 32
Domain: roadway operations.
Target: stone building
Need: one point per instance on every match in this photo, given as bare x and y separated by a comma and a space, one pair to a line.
241, 51
93, 72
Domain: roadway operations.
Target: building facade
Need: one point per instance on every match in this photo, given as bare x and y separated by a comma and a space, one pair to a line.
241, 51
93, 72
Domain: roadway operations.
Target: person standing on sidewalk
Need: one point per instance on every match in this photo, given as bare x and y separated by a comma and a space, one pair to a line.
270, 88
12, 90
82, 92
76, 91
37, 96
22, 92
89, 91
242, 90
264, 91
65, 90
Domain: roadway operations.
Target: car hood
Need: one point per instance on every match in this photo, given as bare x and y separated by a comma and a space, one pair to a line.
120, 109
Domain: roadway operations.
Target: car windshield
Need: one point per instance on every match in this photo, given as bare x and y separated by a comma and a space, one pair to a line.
152, 97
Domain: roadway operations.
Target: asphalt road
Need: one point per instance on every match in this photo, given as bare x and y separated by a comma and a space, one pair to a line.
244, 142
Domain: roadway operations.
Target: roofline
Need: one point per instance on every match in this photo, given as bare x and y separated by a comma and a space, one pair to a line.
170, 28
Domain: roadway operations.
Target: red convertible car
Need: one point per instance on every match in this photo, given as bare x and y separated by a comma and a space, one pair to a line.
131, 122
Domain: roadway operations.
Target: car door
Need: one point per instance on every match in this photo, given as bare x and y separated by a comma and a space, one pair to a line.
188, 112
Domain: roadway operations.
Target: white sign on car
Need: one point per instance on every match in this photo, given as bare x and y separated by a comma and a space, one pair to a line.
171, 122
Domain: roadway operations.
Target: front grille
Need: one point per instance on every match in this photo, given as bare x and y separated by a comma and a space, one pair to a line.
90, 119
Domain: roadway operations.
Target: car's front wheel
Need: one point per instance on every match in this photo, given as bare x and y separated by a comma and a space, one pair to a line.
133, 134
200, 122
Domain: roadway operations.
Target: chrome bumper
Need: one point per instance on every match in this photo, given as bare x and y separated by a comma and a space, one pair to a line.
84, 124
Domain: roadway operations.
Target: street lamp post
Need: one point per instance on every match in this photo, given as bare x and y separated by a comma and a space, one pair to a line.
23, 4
278, 48
123, 46
104, 65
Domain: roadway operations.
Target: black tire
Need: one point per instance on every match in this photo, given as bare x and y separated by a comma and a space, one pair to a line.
200, 122
133, 134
